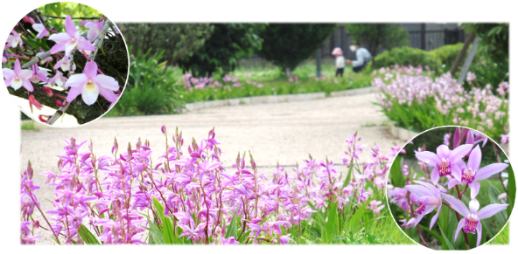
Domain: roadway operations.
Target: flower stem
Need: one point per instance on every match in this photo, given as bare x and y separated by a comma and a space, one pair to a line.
43, 214
458, 219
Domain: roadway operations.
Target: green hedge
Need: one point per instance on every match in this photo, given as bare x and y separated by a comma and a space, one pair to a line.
407, 56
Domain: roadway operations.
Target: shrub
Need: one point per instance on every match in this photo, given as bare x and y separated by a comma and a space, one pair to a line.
150, 89
447, 54
405, 56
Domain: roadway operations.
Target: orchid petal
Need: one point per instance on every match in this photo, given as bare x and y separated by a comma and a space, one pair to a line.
479, 233
456, 172
107, 82
474, 205
490, 170
462, 223
28, 85
419, 190
73, 93
84, 44
427, 157
90, 94
491, 210
8, 73
456, 204
70, 26
15, 84
475, 188
474, 158
434, 218
453, 182
76, 80
443, 151
17, 67
90, 70
458, 153
60, 38
57, 48
435, 175
69, 46
108, 94
25, 74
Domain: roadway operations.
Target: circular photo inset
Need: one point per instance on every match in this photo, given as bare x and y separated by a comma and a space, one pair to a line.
65, 64
451, 188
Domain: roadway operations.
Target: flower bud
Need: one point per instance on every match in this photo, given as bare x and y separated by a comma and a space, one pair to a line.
163, 129
30, 171
48, 90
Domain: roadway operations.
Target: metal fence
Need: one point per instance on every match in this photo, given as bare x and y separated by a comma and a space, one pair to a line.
433, 39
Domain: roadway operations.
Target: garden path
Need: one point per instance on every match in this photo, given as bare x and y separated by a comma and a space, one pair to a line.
282, 132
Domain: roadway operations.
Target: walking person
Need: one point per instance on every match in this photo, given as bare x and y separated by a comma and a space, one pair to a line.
339, 62
363, 56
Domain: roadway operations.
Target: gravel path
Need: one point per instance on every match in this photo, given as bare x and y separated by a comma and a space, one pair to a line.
283, 132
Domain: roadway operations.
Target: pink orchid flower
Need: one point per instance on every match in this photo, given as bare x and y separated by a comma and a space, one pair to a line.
41, 29
471, 174
229, 241
70, 40
429, 199
17, 78
39, 74
445, 161
64, 63
90, 85
94, 28
58, 79
472, 216
14, 39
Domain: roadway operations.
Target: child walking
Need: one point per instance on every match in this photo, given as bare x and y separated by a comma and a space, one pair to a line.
339, 62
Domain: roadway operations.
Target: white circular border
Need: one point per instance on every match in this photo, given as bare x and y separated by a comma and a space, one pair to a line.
481, 245
71, 1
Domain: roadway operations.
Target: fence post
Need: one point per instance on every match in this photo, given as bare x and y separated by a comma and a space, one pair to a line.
468, 61
319, 62
423, 36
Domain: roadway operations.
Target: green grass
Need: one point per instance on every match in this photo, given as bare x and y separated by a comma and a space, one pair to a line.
276, 83
30, 125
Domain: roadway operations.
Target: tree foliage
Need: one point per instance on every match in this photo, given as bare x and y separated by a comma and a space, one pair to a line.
222, 50
287, 45
176, 40
372, 36
495, 45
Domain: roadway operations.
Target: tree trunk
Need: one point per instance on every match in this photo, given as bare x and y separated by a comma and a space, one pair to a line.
462, 53
287, 71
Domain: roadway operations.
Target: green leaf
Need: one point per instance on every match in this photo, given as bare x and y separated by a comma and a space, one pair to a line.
356, 219
331, 224
232, 228
87, 236
395, 173
167, 225
155, 234
511, 190
445, 238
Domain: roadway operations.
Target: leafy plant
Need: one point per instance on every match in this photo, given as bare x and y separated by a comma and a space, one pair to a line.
287, 45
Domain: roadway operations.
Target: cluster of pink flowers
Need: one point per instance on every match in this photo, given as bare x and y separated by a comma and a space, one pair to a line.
477, 108
112, 195
444, 172
90, 84
227, 82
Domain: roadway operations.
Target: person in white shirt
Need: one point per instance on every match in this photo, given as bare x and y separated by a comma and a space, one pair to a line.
339, 62
363, 56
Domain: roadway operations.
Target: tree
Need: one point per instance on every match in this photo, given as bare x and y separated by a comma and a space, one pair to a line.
222, 50
287, 45
178, 41
372, 36
495, 41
